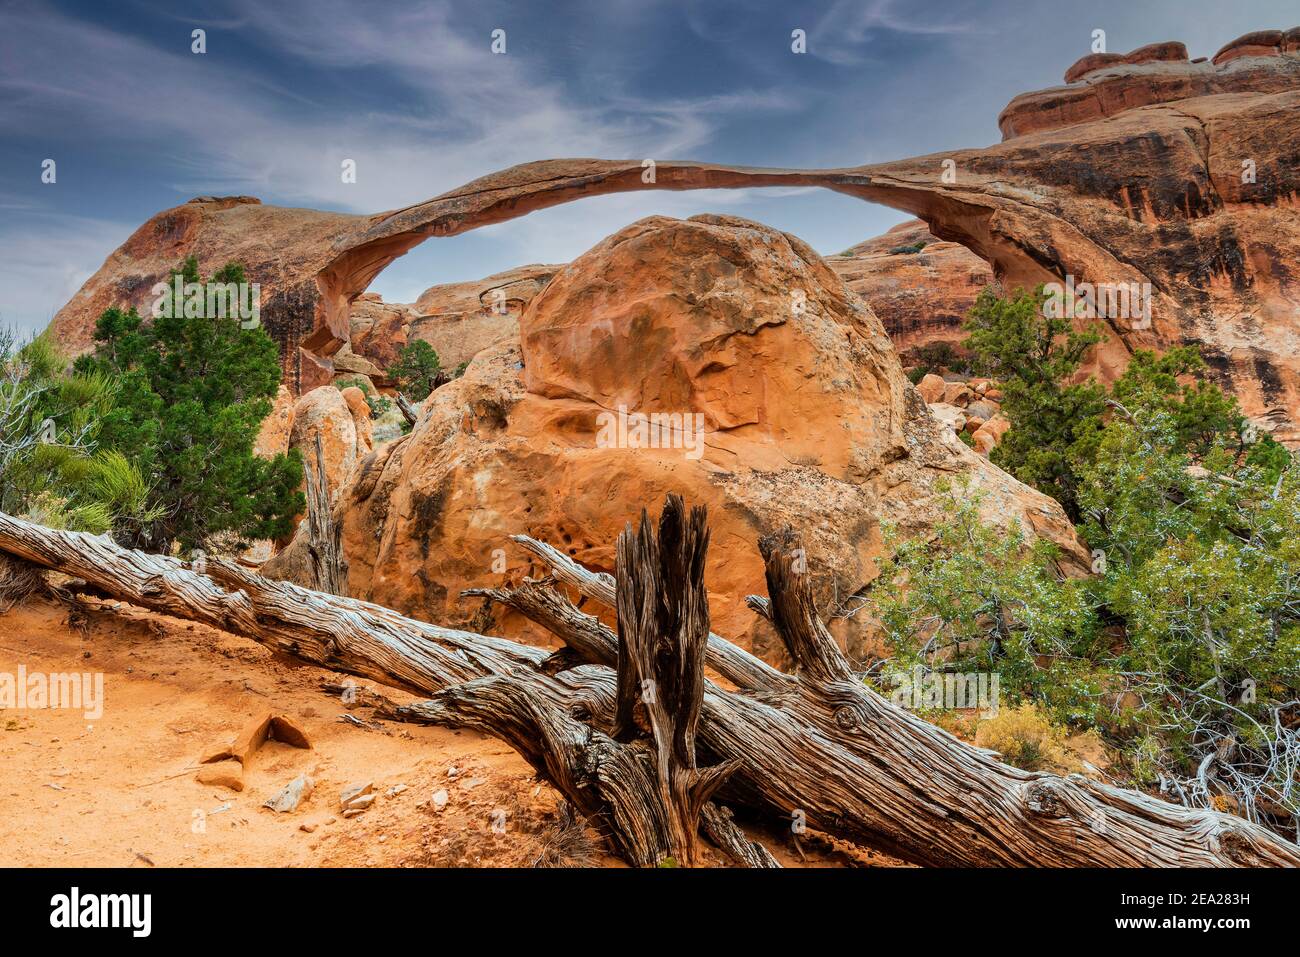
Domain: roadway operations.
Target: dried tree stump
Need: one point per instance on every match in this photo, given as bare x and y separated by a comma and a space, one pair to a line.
324, 535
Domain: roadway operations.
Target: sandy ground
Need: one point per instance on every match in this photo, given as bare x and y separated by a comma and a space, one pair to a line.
120, 790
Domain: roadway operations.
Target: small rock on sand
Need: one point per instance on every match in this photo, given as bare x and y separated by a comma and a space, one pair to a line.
226, 774
356, 798
287, 799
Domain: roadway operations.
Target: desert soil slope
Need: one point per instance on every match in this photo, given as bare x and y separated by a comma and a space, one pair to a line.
120, 791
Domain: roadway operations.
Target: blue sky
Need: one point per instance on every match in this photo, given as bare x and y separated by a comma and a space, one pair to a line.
413, 93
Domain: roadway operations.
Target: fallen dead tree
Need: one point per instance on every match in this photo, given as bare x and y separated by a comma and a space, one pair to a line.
815, 748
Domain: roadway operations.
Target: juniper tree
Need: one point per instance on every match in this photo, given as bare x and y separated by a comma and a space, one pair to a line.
192, 393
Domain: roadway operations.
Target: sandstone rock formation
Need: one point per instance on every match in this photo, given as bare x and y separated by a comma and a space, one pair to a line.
459, 320
1178, 174
462, 319
273, 437
377, 332
970, 405
342, 419
932, 387
360, 411
950, 415
806, 418
920, 294
282, 249
990, 434
920, 287
1103, 85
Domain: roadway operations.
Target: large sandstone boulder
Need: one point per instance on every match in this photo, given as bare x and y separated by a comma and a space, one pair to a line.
806, 416
932, 387
343, 423
274, 435
989, 435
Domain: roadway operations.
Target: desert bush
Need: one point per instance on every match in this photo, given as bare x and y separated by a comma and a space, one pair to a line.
908, 250
1024, 736
418, 370
1195, 524
1035, 358
1193, 613
972, 598
50, 424
937, 357
192, 391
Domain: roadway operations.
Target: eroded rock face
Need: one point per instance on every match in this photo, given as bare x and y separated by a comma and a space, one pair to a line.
807, 420
379, 330
920, 294
273, 437
458, 319
283, 250
1182, 175
462, 319
1102, 85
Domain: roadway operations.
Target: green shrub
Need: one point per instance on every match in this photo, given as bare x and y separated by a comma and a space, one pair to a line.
192, 393
1024, 736
1035, 358
418, 370
938, 357
908, 250
1184, 648
972, 598
1196, 529
50, 423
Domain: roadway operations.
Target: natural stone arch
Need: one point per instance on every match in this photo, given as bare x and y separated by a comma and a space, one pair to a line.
953, 213
1130, 174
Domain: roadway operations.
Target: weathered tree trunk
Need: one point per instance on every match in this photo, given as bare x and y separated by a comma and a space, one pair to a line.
615, 785
733, 663
818, 747
408, 411
663, 628
324, 537
648, 796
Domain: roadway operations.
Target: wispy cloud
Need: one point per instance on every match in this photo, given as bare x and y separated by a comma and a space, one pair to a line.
848, 31
216, 130
44, 259
193, 123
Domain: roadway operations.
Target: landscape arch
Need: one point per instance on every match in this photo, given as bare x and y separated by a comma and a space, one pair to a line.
989, 226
